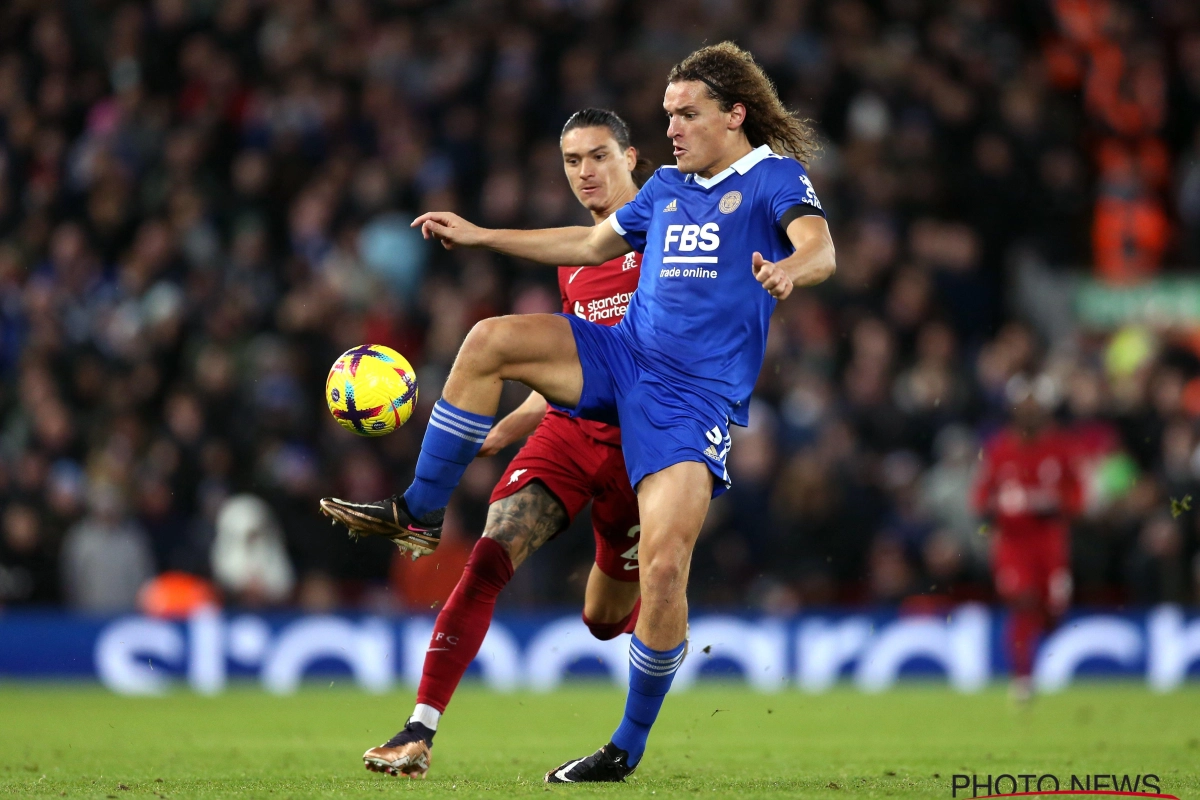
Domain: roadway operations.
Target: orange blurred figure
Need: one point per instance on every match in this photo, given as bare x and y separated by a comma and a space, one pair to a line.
176, 595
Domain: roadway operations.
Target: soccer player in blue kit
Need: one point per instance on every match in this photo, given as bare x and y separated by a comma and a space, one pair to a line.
731, 229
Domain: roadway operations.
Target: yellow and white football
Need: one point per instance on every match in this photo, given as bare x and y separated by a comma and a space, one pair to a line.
371, 390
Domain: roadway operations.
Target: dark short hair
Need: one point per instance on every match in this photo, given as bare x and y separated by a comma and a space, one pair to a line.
599, 118
619, 128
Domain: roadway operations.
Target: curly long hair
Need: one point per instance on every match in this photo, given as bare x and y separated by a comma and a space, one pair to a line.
733, 76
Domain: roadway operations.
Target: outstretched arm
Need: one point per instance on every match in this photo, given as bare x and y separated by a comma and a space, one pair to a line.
515, 426
576, 245
813, 262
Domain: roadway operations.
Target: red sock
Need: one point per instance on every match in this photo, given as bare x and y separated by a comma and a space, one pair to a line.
463, 622
1025, 625
611, 630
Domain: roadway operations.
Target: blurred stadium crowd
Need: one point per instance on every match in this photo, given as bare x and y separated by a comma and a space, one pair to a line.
203, 202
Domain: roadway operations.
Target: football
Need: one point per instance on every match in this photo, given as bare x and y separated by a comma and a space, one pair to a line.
371, 390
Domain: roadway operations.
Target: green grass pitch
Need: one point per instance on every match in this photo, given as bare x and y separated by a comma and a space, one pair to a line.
719, 740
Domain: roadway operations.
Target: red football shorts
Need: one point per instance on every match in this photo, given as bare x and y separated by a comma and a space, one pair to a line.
577, 470
1033, 566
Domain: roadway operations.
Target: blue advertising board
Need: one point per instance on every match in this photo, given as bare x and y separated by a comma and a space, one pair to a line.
812, 652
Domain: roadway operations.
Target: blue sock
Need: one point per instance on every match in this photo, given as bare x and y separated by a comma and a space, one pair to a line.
451, 441
650, 676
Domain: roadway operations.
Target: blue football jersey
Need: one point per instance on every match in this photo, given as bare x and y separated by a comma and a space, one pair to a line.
698, 311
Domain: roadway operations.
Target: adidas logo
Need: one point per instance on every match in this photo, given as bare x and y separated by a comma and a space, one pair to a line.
711, 452
671, 206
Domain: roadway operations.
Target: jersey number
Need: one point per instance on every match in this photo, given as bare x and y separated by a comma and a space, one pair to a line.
632, 553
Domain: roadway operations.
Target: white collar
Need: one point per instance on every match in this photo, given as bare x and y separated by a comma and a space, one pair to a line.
741, 166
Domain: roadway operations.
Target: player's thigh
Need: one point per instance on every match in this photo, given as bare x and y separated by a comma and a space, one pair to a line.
672, 504
524, 521
537, 350
607, 599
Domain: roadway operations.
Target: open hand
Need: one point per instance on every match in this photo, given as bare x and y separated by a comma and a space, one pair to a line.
773, 279
448, 228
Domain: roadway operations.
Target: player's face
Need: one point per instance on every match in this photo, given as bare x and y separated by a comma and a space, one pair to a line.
596, 166
699, 130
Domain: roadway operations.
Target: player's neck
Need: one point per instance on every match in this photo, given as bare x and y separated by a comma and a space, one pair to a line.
739, 151
620, 199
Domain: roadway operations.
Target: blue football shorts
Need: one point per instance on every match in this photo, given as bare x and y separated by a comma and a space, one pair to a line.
664, 420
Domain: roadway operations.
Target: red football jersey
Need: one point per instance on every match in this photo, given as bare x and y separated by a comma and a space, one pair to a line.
1030, 486
600, 294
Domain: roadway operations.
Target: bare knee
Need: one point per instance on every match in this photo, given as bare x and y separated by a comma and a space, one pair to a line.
664, 573
482, 352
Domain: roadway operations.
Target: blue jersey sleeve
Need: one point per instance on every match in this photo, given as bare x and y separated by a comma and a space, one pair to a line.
791, 192
632, 220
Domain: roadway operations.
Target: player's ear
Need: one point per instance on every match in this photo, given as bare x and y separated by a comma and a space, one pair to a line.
737, 115
631, 158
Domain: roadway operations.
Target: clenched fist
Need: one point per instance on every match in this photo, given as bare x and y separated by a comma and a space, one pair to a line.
772, 278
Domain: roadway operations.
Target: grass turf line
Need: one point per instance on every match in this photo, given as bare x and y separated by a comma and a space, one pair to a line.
86, 742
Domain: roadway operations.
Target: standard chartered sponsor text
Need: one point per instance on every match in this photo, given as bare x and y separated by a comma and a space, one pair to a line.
606, 307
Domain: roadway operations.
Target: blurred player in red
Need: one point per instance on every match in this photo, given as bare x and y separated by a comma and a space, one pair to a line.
566, 464
1029, 489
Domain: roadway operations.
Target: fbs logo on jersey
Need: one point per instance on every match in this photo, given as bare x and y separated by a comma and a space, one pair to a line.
671, 206
689, 237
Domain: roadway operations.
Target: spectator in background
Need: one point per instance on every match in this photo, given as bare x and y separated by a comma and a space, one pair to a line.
28, 572
1157, 567
106, 556
946, 494
1188, 182
249, 559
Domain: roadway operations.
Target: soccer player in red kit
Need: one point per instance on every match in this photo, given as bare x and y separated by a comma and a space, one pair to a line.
564, 465
1029, 488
